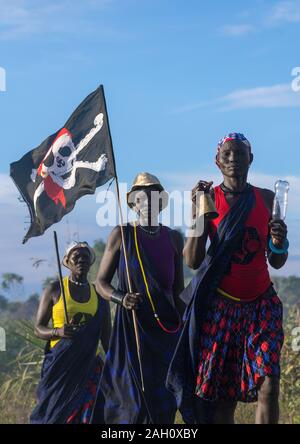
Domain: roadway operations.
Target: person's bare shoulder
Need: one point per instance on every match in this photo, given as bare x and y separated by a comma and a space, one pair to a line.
114, 239
266, 192
52, 291
268, 197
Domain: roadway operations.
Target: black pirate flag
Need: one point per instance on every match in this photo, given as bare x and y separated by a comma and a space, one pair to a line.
67, 165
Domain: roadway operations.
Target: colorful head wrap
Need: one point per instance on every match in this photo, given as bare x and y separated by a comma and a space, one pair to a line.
234, 136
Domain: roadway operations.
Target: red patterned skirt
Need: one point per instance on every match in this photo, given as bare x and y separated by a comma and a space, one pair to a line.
240, 345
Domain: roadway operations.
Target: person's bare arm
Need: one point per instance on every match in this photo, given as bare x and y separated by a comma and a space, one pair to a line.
195, 247
277, 231
49, 297
107, 269
106, 329
178, 284
44, 312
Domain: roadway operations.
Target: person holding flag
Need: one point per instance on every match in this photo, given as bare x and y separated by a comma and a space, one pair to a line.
229, 349
134, 389
69, 164
71, 367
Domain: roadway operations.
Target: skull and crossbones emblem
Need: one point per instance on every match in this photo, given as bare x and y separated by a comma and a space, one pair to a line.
59, 166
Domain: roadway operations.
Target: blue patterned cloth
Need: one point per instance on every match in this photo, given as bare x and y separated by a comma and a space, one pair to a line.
66, 370
84, 411
125, 402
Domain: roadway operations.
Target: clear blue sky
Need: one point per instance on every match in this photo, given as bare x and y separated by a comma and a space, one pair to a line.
177, 76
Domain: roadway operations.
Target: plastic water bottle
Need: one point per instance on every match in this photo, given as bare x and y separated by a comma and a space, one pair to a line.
280, 199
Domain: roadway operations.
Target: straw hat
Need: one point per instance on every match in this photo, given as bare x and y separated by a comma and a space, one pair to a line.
143, 180
73, 246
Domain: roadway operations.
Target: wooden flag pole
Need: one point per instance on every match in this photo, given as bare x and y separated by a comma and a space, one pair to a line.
61, 278
136, 331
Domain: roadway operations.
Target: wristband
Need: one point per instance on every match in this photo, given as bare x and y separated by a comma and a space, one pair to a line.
54, 333
117, 297
279, 250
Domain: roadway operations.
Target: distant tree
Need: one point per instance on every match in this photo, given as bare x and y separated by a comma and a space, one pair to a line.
3, 302
11, 283
9, 279
28, 309
34, 298
13, 308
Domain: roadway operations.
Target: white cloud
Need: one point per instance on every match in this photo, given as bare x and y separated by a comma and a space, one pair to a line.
275, 96
285, 12
280, 13
19, 18
237, 30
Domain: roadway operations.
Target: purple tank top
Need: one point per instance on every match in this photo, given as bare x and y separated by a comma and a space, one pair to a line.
160, 251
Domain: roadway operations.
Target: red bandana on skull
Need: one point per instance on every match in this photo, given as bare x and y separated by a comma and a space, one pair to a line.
61, 150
